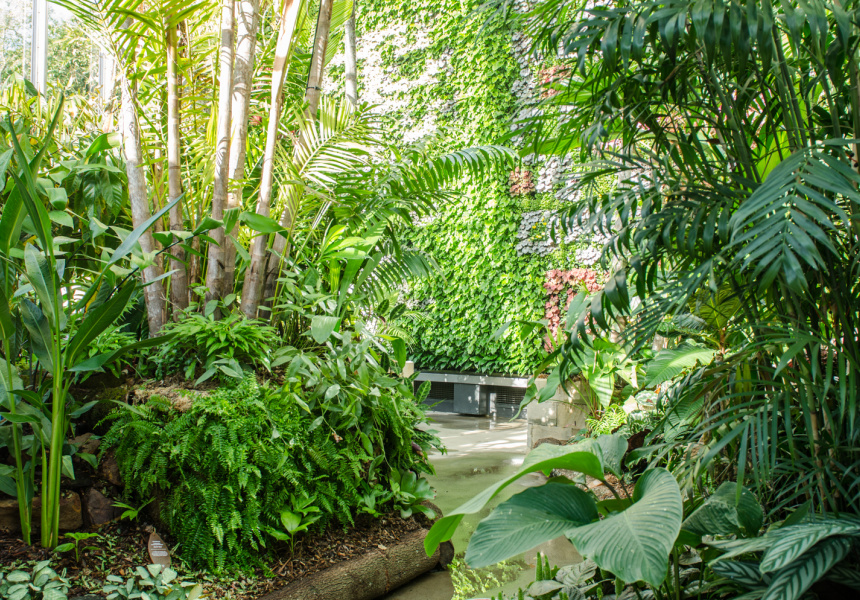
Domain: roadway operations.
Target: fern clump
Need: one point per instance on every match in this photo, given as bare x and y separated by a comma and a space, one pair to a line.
220, 347
226, 469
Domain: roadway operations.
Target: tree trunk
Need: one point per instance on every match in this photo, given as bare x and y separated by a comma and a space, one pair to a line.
243, 78
279, 250
312, 94
215, 259
365, 577
179, 280
153, 293
351, 71
248, 18
255, 273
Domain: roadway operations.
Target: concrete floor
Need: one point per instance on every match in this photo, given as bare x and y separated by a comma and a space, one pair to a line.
481, 451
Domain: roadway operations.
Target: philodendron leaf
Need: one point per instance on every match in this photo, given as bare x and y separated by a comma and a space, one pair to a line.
537, 515
724, 514
543, 458
635, 543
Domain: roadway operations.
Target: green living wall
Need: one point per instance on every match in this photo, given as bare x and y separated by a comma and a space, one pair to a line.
447, 79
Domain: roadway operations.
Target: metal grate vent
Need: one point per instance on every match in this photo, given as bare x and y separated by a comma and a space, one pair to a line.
506, 395
439, 391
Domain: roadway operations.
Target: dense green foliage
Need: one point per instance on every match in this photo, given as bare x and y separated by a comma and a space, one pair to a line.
226, 346
154, 582
225, 470
483, 281
748, 216
43, 583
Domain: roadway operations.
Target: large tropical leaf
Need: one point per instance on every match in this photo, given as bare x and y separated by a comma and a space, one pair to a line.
543, 458
792, 542
635, 543
532, 517
791, 582
725, 513
788, 219
670, 363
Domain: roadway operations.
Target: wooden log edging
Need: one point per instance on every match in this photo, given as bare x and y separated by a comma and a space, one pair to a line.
364, 577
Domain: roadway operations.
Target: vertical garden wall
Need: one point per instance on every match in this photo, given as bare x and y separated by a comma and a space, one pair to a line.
449, 76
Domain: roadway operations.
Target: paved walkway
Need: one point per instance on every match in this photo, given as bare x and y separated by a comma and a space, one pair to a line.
481, 451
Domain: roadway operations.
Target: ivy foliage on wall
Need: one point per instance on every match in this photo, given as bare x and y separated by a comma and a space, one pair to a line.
449, 78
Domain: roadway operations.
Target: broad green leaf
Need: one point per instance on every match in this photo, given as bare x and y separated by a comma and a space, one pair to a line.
791, 582
131, 239
61, 217
322, 327
723, 514
532, 517
399, 347
545, 457
635, 544
744, 573
261, 224
105, 141
40, 333
603, 386
7, 328
42, 278
668, 364
96, 322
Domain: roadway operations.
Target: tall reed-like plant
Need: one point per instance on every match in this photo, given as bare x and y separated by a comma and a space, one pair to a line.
33, 270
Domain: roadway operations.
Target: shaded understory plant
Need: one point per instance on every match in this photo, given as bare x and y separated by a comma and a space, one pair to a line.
251, 464
42, 583
225, 347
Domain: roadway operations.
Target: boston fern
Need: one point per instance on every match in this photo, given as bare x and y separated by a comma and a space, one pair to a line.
225, 470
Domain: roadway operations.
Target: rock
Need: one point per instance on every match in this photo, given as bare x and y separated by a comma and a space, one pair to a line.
98, 508
446, 554
548, 440
71, 516
81, 481
109, 469
87, 443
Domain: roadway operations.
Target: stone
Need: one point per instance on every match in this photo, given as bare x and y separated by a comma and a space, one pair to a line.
98, 508
80, 482
109, 469
549, 440
71, 515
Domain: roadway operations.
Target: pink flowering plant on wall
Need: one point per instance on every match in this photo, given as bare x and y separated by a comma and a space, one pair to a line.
562, 286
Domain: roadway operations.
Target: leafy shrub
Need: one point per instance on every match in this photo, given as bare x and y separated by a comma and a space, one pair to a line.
612, 418
111, 340
218, 347
154, 582
42, 584
228, 468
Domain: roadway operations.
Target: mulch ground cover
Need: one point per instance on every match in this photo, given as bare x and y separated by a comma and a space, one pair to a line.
122, 546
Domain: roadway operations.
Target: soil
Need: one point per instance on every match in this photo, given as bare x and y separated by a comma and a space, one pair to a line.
122, 547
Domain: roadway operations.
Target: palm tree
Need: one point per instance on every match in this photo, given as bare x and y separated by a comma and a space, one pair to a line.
215, 264
739, 126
